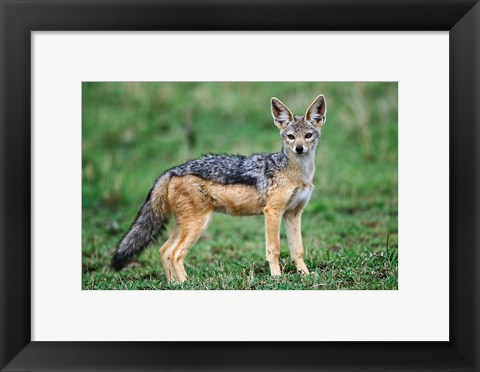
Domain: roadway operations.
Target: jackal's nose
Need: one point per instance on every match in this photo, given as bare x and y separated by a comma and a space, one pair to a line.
299, 149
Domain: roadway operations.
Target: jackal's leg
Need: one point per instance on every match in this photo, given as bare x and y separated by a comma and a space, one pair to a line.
165, 254
190, 230
294, 234
273, 218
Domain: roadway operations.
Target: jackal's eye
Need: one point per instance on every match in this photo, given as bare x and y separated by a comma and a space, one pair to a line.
291, 136
308, 135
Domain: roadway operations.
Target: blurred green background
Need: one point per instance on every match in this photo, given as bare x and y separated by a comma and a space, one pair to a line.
132, 132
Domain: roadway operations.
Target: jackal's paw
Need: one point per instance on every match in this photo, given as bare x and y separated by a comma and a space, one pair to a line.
275, 272
181, 279
275, 269
303, 270
177, 279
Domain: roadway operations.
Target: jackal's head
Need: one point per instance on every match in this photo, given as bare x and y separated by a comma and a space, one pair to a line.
300, 134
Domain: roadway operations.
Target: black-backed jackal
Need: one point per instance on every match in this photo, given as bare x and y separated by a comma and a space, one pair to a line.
277, 185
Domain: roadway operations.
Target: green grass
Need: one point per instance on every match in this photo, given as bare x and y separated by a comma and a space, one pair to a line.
132, 132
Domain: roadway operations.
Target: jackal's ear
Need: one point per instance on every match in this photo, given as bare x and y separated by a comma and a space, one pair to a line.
316, 113
281, 114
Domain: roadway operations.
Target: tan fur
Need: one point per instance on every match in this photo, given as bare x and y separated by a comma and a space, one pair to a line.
192, 200
237, 200
160, 205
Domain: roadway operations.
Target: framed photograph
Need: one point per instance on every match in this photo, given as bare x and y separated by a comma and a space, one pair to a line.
362, 115
123, 122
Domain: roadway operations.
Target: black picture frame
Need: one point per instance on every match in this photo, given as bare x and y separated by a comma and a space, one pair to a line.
18, 18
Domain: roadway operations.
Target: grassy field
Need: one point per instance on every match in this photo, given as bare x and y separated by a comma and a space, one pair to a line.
132, 132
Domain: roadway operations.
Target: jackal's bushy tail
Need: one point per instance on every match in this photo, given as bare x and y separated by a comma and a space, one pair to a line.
150, 221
